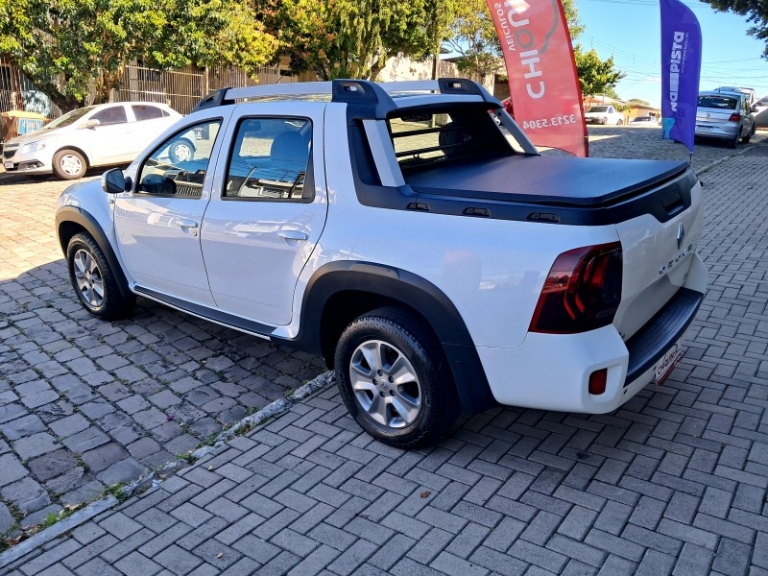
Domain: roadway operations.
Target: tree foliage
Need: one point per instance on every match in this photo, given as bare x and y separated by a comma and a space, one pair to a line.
474, 37
346, 38
596, 76
73, 49
756, 12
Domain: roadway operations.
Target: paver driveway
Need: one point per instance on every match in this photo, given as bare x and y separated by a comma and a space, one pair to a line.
669, 480
85, 404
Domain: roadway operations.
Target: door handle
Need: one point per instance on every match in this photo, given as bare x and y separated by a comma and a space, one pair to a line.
184, 223
292, 235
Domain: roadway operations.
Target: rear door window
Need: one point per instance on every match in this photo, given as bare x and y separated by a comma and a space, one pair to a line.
270, 160
146, 112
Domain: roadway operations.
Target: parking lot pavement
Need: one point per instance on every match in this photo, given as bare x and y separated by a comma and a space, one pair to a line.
85, 404
675, 478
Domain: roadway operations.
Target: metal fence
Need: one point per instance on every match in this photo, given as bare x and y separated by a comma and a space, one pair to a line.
182, 90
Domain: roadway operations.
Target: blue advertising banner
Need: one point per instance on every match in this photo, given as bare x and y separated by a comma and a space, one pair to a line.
680, 71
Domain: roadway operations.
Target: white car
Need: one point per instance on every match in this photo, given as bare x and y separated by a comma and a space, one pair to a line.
429, 253
102, 135
604, 115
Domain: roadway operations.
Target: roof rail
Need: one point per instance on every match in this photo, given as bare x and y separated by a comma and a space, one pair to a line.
371, 98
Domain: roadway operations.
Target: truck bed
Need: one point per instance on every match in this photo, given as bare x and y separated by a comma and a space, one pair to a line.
552, 189
550, 180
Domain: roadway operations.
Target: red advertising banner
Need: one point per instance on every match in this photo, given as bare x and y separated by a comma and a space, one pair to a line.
542, 72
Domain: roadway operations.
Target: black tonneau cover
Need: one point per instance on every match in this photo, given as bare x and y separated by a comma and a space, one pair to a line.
549, 180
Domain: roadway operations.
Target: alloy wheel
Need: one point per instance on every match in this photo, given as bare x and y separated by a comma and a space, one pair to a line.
90, 280
385, 384
70, 164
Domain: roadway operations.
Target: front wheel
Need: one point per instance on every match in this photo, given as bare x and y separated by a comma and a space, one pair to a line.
94, 281
394, 379
69, 164
182, 150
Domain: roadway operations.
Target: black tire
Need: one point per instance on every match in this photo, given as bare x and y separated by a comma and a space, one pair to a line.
603, 121
396, 333
90, 274
69, 164
735, 142
181, 150
748, 137
619, 122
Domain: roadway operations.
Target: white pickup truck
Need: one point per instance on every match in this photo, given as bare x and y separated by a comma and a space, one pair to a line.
604, 115
412, 235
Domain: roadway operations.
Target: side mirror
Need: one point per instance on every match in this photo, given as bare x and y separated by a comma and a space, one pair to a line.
113, 181
92, 123
157, 184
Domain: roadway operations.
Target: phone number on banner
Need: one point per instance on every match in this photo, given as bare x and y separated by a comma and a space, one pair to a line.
549, 122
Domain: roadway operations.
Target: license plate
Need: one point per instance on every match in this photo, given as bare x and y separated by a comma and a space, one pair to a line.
667, 363
704, 128
9, 165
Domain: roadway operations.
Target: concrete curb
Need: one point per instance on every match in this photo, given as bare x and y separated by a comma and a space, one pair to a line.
741, 152
155, 477
26, 546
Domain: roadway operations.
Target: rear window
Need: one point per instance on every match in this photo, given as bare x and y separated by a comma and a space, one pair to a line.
721, 102
427, 138
598, 109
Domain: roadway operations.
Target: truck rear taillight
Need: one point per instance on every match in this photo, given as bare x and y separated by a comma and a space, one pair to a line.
581, 292
735, 117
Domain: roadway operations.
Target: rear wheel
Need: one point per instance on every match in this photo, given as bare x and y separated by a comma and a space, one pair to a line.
619, 122
394, 379
69, 164
94, 281
735, 142
748, 137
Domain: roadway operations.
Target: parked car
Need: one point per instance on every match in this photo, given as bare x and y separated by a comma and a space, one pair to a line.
644, 121
407, 241
760, 112
604, 115
101, 135
725, 116
748, 92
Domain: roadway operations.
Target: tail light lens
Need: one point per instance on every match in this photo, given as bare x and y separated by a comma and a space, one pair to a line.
735, 117
582, 291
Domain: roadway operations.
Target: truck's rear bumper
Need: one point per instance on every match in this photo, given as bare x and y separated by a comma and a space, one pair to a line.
552, 371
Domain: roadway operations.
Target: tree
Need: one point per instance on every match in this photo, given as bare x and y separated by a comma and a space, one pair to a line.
756, 12
346, 38
596, 76
473, 35
73, 49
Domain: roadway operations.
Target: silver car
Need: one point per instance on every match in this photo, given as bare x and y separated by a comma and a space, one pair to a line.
86, 137
726, 116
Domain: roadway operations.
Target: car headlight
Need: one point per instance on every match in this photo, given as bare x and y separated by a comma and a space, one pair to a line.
33, 147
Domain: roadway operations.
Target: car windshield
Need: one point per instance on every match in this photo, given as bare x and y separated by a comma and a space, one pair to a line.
598, 109
68, 118
721, 102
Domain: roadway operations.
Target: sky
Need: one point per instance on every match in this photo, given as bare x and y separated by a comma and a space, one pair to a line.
630, 31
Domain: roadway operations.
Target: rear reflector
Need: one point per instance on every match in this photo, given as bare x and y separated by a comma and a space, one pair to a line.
597, 381
582, 291
735, 117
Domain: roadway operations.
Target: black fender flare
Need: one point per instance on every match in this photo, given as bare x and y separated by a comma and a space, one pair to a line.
413, 291
82, 219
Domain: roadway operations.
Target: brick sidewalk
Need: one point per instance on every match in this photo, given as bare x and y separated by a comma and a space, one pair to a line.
673, 483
